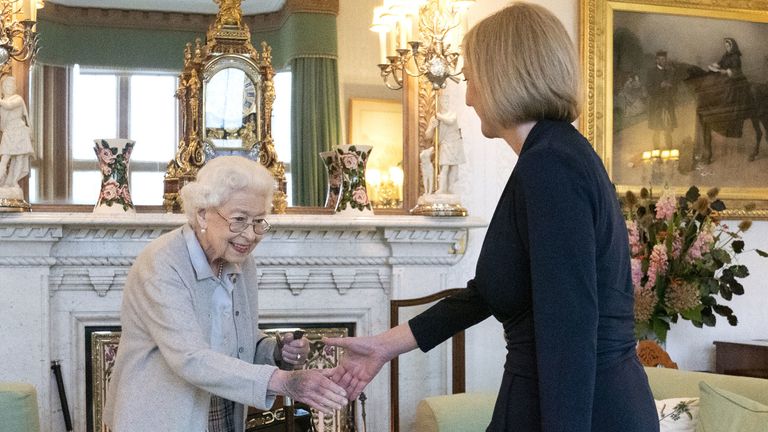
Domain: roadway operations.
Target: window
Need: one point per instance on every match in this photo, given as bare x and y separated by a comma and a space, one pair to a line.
140, 106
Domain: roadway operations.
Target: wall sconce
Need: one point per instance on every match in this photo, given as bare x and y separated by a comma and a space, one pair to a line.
401, 22
18, 40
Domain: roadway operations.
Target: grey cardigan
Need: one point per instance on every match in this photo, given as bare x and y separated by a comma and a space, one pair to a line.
166, 371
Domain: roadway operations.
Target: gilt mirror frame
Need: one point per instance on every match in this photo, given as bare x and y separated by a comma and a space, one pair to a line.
228, 44
598, 53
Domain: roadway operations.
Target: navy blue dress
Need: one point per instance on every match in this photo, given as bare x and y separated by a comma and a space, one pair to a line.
554, 270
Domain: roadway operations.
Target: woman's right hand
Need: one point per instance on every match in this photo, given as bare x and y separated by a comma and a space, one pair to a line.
311, 386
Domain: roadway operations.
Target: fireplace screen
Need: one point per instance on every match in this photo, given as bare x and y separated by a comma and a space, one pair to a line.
101, 345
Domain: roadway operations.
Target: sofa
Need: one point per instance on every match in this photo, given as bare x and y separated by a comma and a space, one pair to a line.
471, 412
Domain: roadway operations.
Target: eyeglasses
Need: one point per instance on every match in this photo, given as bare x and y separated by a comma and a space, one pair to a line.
239, 224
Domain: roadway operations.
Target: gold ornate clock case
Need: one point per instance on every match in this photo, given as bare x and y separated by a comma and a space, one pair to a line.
211, 122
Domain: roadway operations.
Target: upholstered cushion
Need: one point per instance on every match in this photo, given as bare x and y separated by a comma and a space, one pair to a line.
673, 383
724, 411
462, 412
678, 414
18, 408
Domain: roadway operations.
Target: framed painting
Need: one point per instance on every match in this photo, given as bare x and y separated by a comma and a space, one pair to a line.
101, 349
676, 94
379, 123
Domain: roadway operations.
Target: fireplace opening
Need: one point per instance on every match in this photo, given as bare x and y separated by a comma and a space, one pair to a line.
101, 345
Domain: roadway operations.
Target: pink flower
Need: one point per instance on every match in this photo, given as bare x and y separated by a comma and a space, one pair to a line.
360, 196
110, 190
634, 238
349, 160
637, 271
106, 156
666, 206
658, 264
702, 244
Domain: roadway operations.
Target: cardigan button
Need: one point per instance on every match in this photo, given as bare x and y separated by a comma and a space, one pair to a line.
240, 350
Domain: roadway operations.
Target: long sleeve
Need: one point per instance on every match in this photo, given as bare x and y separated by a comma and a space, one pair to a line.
556, 216
448, 317
167, 312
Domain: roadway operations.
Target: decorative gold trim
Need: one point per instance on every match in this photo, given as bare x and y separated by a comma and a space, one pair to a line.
597, 58
13, 205
228, 41
103, 350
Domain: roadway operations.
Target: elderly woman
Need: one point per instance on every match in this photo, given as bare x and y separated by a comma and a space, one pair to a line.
191, 354
554, 268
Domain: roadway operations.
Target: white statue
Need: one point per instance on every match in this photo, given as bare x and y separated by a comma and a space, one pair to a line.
427, 169
451, 147
16, 142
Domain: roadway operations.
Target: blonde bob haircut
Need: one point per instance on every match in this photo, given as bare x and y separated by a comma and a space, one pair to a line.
524, 66
219, 178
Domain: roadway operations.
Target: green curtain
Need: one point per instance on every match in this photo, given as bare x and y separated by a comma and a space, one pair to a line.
64, 44
316, 125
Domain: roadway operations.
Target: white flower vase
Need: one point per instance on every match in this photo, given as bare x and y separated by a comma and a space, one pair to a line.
353, 196
114, 157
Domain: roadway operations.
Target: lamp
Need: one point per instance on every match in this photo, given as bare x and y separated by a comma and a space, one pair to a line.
18, 40
436, 56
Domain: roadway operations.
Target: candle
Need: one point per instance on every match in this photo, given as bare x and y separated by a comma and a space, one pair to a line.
402, 33
655, 154
382, 47
675, 154
665, 154
646, 156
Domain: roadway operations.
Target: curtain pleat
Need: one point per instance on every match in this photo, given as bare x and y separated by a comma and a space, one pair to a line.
316, 126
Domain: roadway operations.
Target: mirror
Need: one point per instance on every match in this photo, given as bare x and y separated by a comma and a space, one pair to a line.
358, 77
231, 110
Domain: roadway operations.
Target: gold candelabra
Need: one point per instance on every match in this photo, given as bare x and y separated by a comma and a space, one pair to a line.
18, 39
437, 22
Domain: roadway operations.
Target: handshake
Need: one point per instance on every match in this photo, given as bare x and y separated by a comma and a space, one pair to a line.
330, 389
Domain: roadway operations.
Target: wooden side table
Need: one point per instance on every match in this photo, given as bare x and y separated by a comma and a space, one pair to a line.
744, 358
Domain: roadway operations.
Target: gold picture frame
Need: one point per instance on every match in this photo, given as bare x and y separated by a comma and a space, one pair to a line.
620, 39
103, 351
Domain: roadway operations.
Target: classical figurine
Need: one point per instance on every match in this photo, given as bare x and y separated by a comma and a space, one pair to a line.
16, 142
230, 12
451, 146
427, 169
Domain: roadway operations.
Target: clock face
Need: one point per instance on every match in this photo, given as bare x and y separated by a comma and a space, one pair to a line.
249, 97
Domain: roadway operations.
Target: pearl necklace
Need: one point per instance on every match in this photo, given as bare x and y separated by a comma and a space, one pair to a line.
221, 269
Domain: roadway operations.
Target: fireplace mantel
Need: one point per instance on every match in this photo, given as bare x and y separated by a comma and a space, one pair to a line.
63, 272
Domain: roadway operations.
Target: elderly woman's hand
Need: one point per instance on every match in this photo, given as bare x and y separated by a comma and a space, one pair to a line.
293, 351
311, 386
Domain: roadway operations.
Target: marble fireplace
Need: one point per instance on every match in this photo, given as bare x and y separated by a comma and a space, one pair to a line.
62, 273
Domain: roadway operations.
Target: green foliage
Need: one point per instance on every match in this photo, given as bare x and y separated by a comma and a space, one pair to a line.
683, 259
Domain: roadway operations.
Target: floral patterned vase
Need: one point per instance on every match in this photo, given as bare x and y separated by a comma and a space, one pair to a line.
331, 161
114, 157
353, 197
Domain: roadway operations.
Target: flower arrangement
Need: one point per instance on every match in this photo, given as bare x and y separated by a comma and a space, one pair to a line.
683, 260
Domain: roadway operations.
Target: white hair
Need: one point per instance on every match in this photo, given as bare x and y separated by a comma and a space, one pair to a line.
219, 178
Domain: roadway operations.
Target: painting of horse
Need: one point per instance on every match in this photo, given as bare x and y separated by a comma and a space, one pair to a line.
723, 104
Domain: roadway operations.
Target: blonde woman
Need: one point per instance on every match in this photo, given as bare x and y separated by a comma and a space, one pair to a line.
554, 268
